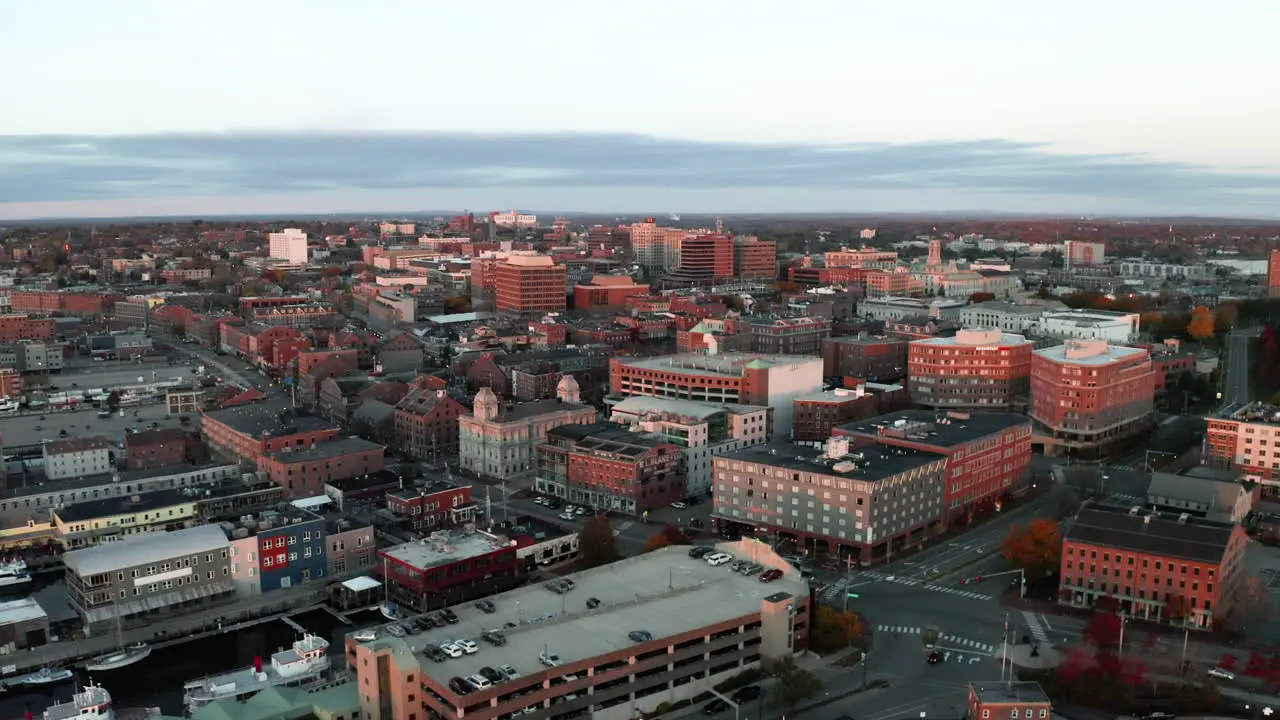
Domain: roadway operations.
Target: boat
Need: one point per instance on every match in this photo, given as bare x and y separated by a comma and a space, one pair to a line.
390, 611
48, 676
307, 662
14, 576
365, 635
122, 656
93, 702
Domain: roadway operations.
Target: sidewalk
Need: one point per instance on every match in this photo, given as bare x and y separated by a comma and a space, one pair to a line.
177, 627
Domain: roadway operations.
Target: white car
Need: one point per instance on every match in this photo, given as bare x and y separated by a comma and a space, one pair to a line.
679, 505
715, 559
509, 671
1222, 674
469, 647
566, 515
580, 510
451, 649
548, 658
479, 682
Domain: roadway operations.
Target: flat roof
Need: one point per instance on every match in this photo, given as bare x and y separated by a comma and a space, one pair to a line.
446, 547
325, 450
1003, 691
664, 592
721, 365
943, 430
958, 339
869, 464
24, 610
643, 404
1151, 533
124, 504
266, 419
360, 584
148, 548
1104, 353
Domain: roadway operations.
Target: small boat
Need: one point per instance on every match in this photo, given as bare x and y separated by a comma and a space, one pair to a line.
305, 664
14, 576
390, 611
365, 635
48, 676
93, 702
123, 657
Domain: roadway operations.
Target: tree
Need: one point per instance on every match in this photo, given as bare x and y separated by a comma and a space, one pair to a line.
1103, 632
669, 535
978, 297
836, 629
1036, 549
113, 401
1202, 323
795, 684
457, 304
1177, 609
596, 545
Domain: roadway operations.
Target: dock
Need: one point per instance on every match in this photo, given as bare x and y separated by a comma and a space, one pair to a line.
341, 618
293, 623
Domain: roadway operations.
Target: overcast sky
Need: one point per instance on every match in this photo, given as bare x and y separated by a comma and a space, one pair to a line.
1131, 107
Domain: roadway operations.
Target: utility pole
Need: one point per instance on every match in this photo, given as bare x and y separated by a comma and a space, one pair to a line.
1120, 651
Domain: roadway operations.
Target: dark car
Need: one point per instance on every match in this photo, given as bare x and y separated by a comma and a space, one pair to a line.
568, 584
450, 617
715, 707
492, 675
935, 657
640, 636
435, 653
746, 694
699, 551
486, 606
460, 686
593, 603
494, 637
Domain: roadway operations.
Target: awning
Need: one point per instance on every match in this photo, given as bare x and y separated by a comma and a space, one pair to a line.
361, 584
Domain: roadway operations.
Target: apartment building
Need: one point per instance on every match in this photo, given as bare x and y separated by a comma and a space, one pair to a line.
530, 283
1248, 439
77, 457
872, 358
785, 336
1089, 395
977, 368
603, 466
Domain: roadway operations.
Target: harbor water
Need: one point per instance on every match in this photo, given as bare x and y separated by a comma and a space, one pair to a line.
158, 680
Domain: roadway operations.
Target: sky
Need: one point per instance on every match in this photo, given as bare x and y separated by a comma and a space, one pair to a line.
1130, 107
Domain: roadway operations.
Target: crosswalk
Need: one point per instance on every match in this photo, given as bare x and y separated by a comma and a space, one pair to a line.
1034, 627
622, 527
951, 642
833, 592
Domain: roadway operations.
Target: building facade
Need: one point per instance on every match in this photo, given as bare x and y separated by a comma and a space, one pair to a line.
289, 245
304, 471
605, 467
530, 283
501, 441
1248, 439
77, 457
448, 565
876, 359
1088, 395
979, 369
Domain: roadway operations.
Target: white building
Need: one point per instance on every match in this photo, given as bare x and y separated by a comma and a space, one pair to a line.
502, 442
77, 457
891, 308
704, 430
511, 218
1007, 316
1147, 269
290, 245
1117, 328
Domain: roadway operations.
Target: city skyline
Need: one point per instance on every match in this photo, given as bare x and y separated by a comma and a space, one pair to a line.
1081, 108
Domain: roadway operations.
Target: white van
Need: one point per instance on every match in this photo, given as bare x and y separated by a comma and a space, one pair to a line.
1222, 674
718, 558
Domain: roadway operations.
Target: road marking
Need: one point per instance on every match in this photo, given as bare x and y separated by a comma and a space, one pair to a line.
1033, 626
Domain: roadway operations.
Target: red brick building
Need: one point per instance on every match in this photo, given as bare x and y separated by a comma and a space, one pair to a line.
877, 359
81, 304
1169, 366
448, 567
979, 369
530, 283
988, 454
707, 256
816, 416
1006, 700
248, 432
15, 327
755, 259
1273, 273
1170, 568
426, 424
157, 448
603, 466
304, 470
10, 383
607, 291
434, 505
1087, 395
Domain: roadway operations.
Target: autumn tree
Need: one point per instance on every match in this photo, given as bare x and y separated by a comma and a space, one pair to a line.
1202, 323
795, 685
669, 535
1150, 321
981, 297
1103, 632
836, 629
1035, 549
596, 545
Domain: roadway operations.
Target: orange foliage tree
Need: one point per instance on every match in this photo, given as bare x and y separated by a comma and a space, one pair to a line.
835, 629
669, 535
1202, 323
1035, 548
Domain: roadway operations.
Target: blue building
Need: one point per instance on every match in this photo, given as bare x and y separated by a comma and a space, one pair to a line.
277, 549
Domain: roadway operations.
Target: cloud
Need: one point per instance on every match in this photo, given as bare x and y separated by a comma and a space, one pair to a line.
1000, 174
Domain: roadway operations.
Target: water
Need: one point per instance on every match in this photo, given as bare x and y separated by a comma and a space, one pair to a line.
158, 680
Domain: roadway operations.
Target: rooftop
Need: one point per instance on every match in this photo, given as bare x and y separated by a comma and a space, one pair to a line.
326, 450
721, 365
1152, 533
1257, 412
641, 405
522, 411
144, 549
1088, 314
446, 547
665, 593
266, 420
24, 610
867, 464
939, 429
1085, 352
430, 487
976, 337
80, 444
607, 437
1002, 691
285, 515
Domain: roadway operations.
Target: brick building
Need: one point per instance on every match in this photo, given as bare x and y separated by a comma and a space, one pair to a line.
433, 505
1273, 273
816, 415
530, 283
1009, 700
248, 432
500, 440
158, 448
1147, 562
426, 424
603, 466
707, 256
786, 336
448, 566
755, 259
304, 470
980, 369
1248, 439
1087, 395
16, 327
605, 291
988, 454
878, 359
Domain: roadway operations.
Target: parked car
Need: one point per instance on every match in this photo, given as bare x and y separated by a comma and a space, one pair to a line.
770, 575
468, 646
715, 707
486, 606
679, 505
593, 603
509, 671
698, 551
435, 653
460, 686
492, 675
569, 584
746, 694
548, 658
451, 649
395, 631
566, 515
450, 616
640, 636
493, 637
718, 559
1222, 674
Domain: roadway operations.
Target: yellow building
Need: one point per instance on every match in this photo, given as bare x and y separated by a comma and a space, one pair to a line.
101, 521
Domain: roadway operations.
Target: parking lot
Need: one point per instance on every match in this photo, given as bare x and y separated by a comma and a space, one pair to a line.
32, 429
108, 375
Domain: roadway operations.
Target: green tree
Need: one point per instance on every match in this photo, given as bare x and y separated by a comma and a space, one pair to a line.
113, 401
795, 685
596, 546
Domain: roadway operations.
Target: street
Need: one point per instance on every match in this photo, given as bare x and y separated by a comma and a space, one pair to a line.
1235, 382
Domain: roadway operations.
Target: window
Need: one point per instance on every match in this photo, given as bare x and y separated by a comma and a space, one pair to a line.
986, 713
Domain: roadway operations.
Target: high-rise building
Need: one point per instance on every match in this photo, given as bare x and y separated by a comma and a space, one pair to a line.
1248, 439
708, 256
1083, 254
1087, 395
1273, 273
754, 258
979, 369
530, 283
290, 245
